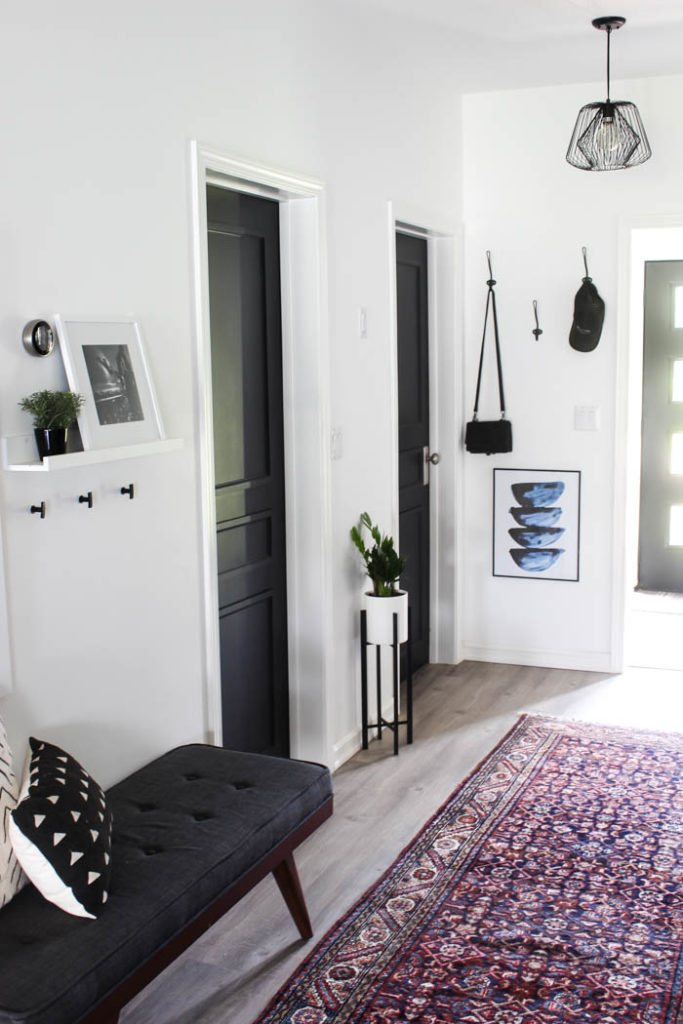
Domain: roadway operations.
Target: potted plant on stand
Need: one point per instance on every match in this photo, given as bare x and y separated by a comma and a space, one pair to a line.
53, 413
384, 566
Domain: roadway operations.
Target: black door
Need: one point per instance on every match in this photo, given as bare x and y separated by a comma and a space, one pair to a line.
246, 356
660, 555
413, 434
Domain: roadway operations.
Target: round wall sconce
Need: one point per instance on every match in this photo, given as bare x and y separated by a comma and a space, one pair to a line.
38, 338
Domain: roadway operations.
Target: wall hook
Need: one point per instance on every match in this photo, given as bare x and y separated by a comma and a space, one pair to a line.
585, 260
85, 499
537, 332
39, 510
129, 490
490, 282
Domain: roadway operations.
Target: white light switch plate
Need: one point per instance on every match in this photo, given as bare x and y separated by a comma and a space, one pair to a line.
586, 417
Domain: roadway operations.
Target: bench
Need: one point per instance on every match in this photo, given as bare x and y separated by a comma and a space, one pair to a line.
194, 831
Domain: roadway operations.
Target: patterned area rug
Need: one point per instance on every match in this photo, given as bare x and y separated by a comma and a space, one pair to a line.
548, 889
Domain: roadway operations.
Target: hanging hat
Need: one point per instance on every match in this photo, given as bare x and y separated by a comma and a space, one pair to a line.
589, 315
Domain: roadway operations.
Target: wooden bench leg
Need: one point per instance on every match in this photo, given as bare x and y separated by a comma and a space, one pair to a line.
287, 878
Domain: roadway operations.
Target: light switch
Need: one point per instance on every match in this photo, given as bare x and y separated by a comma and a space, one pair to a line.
586, 417
363, 322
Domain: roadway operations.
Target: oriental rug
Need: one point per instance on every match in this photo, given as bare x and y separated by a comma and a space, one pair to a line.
547, 889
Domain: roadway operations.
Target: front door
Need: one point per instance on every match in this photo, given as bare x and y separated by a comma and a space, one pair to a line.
246, 367
413, 434
660, 553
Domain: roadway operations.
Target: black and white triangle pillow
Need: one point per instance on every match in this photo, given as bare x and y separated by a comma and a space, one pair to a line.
61, 831
11, 876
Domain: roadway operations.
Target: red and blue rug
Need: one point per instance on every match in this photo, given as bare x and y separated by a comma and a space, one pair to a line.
548, 889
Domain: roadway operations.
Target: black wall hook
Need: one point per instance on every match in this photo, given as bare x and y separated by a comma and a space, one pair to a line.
585, 260
129, 490
537, 332
85, 499
490, 282
39, 510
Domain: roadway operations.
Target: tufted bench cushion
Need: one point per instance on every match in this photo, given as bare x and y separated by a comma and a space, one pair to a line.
187, 827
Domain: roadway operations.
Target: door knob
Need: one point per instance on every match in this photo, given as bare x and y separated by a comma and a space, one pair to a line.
434, 459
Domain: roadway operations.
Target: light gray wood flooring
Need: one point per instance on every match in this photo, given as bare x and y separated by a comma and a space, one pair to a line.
232, 972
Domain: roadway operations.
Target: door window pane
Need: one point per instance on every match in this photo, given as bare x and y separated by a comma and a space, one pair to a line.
677, 453
678, 306
677, 381
676, 526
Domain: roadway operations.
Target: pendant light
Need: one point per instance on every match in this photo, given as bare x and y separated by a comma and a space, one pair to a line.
608, 136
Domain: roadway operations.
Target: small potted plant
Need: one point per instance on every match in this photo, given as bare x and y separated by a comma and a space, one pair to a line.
384, 566
53, 413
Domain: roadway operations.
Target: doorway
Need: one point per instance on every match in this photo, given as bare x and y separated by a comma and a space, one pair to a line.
305, 344
649, 618
249, 472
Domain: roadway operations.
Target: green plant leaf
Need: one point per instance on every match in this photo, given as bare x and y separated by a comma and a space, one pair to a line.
52, 409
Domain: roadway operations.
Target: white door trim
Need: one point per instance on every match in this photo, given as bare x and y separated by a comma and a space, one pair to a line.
306, 418
445, 408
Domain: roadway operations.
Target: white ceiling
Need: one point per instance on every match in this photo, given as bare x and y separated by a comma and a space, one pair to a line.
517, 43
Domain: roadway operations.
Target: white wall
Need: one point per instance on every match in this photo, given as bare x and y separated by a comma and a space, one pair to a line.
535, 212
105, 610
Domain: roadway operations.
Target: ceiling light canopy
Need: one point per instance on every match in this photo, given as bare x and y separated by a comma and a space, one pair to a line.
608, 136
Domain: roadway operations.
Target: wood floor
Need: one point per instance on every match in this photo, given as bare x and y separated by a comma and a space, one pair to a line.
230, 974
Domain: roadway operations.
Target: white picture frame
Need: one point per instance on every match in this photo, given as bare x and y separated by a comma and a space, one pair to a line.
104, 359
537, 523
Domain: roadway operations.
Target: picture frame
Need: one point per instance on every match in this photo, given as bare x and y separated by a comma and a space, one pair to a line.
537, 523
104, 359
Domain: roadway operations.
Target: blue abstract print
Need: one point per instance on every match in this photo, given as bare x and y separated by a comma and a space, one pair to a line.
536, 512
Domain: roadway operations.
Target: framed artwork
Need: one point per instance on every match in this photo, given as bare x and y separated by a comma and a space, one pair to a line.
536, 523
105, 360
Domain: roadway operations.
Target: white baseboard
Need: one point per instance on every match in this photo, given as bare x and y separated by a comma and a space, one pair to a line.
346, 748
583, 661
350, 744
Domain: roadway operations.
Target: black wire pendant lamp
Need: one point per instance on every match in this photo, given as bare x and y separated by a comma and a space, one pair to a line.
608, 136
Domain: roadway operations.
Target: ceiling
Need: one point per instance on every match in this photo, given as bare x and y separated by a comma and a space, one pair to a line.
518, 43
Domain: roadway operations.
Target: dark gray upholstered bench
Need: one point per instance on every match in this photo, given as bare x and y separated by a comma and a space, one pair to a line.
193, 832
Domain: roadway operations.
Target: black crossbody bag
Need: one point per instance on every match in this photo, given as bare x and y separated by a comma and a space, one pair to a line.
486, 437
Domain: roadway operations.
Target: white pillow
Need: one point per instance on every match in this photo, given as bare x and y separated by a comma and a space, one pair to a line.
12, 878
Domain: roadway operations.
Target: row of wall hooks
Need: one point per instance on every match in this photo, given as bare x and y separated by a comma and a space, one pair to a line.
83, 499
589, 313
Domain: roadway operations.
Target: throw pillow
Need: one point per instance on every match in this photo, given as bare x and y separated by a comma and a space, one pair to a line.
12, 878
61, 831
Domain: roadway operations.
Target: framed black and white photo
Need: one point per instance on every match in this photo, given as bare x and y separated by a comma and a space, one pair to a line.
105, 361
536, 523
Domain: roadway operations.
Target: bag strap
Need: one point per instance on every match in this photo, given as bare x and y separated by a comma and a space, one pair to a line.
490, 301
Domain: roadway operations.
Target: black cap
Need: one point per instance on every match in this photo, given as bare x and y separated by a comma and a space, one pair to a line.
589, 315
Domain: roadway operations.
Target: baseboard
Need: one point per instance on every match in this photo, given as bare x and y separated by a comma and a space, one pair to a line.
346, 748
582, 661
353, 741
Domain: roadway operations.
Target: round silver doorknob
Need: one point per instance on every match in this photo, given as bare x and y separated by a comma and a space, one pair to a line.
434, 458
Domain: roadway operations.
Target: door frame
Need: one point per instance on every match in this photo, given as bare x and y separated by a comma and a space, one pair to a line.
306, 423
640, 239
446, 402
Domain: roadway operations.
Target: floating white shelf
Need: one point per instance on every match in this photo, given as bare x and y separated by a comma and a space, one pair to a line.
18, 454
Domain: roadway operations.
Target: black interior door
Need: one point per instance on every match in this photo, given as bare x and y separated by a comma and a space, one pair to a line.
246, 355
413, 433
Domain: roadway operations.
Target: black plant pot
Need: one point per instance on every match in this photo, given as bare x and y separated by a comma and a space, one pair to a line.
51, 442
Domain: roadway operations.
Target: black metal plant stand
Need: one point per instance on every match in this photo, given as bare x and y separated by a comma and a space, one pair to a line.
382, 722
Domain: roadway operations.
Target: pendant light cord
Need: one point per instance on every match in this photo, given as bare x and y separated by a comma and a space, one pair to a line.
609, 36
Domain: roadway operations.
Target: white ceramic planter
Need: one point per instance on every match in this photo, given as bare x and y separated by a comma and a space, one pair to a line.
380, 617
